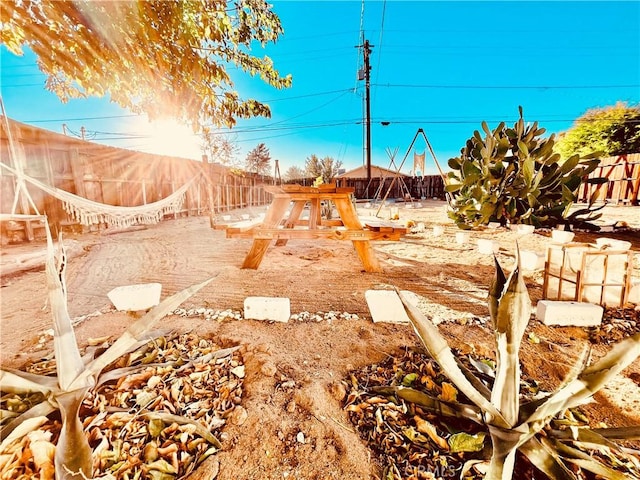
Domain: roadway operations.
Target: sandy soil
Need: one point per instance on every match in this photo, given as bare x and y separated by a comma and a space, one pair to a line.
295, 371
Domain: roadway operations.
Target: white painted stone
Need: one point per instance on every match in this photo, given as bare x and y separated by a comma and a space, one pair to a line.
462, 237
562, 236
385, 306
226, 218
438, 230
522, 229
564, 313
245, 216
487, 247
267, 308
135, 297
531, 261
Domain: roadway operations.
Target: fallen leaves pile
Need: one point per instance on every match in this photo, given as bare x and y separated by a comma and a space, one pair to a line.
617, 323
155, 417
410, 442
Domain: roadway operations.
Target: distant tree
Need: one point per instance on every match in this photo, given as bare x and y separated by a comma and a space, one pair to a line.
327, 168
294, 173
220, 148
259, 160
162, 58
613, 130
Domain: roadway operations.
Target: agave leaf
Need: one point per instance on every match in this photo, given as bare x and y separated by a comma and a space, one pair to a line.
16, 381
586, 462
505, 442
590, 438
21, 430
546, 459
69, 362
440, 351
514, 311
42, 409
495, 291
592, 379
619, 433
137, 332
73, 453
459, 410
583, 358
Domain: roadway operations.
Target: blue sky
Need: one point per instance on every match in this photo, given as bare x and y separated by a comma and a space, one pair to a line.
440, 66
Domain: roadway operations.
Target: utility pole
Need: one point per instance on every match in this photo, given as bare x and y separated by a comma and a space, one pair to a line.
366, 76
367, 101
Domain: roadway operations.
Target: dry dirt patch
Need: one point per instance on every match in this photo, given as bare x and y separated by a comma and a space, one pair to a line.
296, 426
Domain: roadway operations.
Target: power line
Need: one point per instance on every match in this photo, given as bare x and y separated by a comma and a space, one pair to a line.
503, 87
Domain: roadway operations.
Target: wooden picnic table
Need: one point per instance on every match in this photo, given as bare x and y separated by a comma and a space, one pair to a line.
277, 226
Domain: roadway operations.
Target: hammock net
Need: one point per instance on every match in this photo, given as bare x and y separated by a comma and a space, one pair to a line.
87, 212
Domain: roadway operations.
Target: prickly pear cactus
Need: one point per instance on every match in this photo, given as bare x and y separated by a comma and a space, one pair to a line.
512, 175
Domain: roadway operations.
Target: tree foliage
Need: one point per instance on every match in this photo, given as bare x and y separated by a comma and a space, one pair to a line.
259, 160
162, 58
327, 168
220, 148
294, 173
613, 130
512, 175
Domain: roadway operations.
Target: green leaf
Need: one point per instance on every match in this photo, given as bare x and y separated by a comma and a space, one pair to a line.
409, 379
464, 442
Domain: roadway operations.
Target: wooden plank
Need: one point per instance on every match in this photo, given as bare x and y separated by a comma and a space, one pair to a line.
292, 221
244, 226
261, 233
274, 216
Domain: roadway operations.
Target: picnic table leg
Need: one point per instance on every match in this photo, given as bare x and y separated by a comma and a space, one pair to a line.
272, 219
294, 215
363, 247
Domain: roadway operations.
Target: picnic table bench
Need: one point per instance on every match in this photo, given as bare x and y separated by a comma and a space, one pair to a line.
276, 225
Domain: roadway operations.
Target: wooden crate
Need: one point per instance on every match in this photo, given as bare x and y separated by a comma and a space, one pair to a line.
584, 273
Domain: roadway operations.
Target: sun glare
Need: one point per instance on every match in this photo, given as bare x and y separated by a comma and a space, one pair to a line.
168, 137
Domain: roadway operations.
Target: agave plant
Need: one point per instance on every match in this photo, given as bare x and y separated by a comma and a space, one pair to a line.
513, 426
74, 378
512, 175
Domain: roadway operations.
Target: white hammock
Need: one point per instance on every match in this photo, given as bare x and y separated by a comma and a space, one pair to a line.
87, 212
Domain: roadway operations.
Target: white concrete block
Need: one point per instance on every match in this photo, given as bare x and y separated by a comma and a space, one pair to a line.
562, 236
488, 247
267, 308
385, 306
531, 261
135, 297
462, 238
564, 313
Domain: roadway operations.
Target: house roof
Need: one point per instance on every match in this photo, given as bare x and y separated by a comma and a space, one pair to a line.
376, 172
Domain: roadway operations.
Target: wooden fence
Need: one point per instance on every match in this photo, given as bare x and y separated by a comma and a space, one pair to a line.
431, 186
623, 181
107, 175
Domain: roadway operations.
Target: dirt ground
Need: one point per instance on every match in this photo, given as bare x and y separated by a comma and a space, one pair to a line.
295, 371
